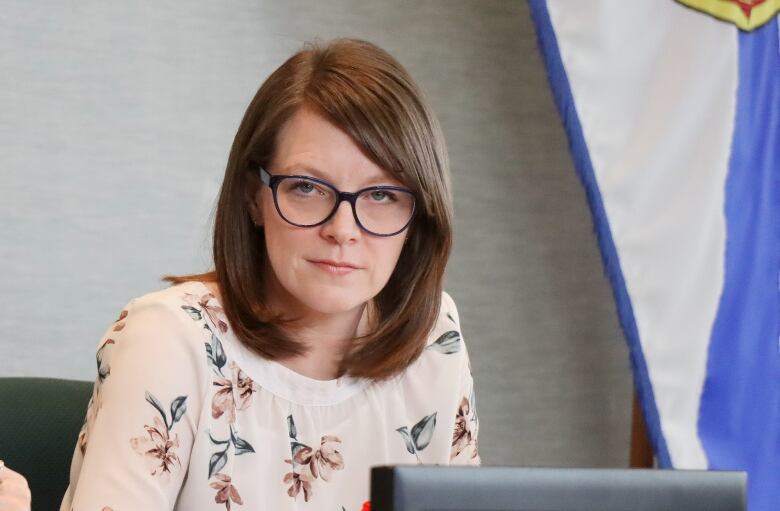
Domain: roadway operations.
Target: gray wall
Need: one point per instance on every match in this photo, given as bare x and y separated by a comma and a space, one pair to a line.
116, 123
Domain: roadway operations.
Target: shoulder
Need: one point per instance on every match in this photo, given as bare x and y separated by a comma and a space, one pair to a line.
177, 303
168, 320
435, 380
157, 344
171, 297
444, 356
448, 309
446, 335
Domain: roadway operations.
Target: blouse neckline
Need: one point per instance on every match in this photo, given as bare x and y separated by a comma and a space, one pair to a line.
279, 379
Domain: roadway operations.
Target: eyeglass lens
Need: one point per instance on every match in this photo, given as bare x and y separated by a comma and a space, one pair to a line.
305, 202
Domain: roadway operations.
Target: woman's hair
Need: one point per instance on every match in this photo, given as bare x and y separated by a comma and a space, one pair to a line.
364, 91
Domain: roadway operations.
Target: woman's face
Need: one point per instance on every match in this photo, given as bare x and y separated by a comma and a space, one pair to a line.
303, 279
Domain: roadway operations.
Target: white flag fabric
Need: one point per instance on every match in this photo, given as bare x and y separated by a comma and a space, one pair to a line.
673, 120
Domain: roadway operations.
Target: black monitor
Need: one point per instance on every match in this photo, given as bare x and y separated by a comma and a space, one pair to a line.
433, 488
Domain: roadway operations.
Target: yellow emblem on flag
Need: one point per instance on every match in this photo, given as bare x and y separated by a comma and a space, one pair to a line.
746, 14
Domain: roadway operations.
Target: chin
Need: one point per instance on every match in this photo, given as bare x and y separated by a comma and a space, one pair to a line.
332, 301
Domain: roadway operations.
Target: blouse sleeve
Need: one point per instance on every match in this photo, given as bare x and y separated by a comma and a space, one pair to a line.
134, 449
465, 444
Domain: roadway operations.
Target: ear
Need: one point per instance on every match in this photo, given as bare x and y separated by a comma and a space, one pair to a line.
252, 197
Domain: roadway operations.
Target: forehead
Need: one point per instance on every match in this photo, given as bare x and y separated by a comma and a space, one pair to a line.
310, 144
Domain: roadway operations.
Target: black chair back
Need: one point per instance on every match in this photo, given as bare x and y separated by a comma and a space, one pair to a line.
40, 419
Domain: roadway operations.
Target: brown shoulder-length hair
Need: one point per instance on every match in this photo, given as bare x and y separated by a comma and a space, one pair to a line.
365, 92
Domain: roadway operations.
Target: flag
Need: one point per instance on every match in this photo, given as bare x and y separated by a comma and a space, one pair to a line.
672, 113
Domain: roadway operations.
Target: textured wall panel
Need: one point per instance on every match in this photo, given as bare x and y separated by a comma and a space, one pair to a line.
116, 123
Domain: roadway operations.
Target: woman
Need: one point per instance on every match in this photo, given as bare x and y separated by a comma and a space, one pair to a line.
14, 492
322, 344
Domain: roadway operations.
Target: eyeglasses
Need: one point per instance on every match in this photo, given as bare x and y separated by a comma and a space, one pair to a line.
306, 201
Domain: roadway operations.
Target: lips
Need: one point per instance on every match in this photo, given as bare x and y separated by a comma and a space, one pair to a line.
336, 264
335, 267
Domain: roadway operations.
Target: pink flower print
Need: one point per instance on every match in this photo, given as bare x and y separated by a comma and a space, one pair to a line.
82, 439
324, 460
226, 492
158, 448
232, 394
215, 313
92, 410
223, 401
208, 304
309, 464
244, 386
297, 483
462, 435
119, 324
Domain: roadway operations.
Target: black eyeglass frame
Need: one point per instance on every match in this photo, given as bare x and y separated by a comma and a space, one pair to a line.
272, 181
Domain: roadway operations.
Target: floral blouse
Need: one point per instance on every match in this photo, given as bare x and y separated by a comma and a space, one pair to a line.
183, 416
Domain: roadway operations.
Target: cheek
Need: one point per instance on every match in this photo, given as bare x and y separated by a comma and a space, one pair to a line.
282, 241
283, 246
279, 235
385, 256
265, 202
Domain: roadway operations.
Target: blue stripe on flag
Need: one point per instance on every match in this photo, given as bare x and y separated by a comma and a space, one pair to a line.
739, 419
559, 83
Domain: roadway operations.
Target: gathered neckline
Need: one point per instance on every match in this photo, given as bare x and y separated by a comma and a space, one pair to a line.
279, 379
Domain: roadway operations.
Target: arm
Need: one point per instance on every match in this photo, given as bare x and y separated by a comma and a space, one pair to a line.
14, 492
134, 450
465, 445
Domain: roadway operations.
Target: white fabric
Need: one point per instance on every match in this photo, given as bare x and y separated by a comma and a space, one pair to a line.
643, 75
157, 352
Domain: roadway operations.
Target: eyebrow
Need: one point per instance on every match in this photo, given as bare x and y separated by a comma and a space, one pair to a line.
299, 168
307, 169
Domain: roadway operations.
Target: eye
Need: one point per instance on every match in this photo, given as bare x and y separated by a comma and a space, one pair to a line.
304, 187
382, 196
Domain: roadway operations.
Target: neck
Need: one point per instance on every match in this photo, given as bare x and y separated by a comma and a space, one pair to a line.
328, 337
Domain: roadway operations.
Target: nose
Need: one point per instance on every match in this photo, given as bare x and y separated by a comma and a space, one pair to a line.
342, 227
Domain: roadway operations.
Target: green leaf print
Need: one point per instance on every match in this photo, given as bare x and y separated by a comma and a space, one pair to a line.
217, 461
220, 457
178, 409
103, 369
422, 432
215, 441
407, 439
241, 446
448, 343
156, 403
291, 427
420, 435
193, 312
215, 353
